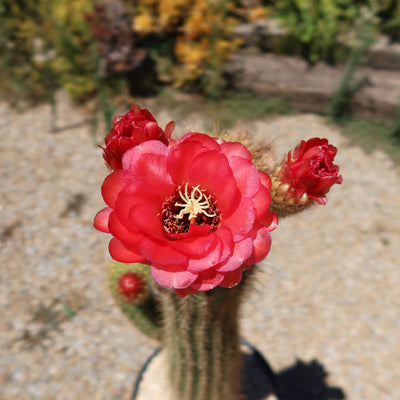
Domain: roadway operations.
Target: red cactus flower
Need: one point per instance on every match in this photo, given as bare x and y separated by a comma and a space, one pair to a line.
131, 285
311, 170
135, 127
197, 212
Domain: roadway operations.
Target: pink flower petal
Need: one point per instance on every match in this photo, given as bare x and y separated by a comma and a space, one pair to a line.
261, 201
269, 220
149, 166
261, 246
169, 128
122, 254
212, 172
322, 200
180, 159
231, 278
206, 261
236, 149
226, 237
178, 279
145, 220
153, 131
241, 254
207, 142
246, 176
128, 236
149, 147
160, 253
197, 246
242, 220
135, 195
114, 183
217, 255
324, 184
207, 280
101, 220
265, 179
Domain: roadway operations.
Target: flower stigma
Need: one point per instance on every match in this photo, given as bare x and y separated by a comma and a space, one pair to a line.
189, 206
193, 205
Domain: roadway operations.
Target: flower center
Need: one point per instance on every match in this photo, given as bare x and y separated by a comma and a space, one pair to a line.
189, 206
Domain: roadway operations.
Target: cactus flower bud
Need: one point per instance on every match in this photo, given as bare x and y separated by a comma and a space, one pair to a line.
310, 170
131, 286
306, 176
129, 130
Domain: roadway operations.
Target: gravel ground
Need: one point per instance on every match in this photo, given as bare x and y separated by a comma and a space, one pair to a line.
325, 312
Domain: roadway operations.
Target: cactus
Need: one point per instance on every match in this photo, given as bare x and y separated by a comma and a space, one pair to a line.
200, 332
198, 210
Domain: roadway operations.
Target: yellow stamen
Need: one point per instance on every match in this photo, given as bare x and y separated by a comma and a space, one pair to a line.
194, 204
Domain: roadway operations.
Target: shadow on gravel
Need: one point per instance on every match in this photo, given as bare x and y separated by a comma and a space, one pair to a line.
300, 381
306, 381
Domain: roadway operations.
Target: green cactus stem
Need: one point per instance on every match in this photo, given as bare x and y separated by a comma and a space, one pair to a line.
141, 307
201, 337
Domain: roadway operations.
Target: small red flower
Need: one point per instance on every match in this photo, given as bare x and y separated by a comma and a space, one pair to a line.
197, 212
311, 170
135, 127
131, 286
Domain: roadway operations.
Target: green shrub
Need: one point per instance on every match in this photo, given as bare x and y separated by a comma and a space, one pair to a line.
388, 12
316, 27
46, 44
76, 62
26, 49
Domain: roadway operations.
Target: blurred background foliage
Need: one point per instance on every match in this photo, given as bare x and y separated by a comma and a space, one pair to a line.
45, 45
322, 29
100, 49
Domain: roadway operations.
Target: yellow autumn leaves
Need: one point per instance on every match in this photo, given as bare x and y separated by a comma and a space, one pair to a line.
202, 28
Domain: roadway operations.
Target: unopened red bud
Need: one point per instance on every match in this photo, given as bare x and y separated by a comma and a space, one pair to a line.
131, 286
131, 129
310, 170
306, 176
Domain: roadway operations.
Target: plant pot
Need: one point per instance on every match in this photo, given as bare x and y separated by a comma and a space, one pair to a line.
258, 379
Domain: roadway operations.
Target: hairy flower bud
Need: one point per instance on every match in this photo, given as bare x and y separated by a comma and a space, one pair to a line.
305, 176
